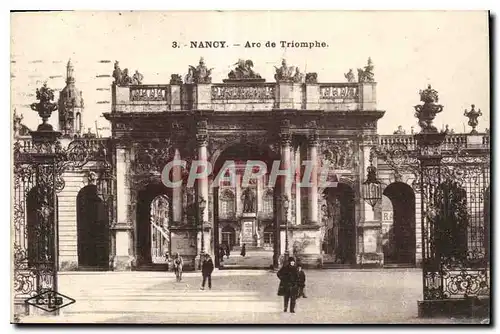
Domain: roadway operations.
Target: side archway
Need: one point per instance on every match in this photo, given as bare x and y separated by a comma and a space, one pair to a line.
340, 235
403, 230
92, 223
153, 215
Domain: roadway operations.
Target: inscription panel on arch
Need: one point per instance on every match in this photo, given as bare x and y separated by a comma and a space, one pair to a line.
237, 92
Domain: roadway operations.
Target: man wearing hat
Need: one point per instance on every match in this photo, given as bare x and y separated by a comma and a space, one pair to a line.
289, 284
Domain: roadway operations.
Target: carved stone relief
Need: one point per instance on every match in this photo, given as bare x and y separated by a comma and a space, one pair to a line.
338, 154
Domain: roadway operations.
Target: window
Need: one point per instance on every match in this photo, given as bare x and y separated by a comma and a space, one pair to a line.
268, 202
227, 205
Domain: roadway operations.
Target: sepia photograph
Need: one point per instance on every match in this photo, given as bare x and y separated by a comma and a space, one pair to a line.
250, 167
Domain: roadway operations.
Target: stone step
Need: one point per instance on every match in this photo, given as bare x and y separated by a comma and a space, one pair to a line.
331, 265
136, 299
177, 306
248, 248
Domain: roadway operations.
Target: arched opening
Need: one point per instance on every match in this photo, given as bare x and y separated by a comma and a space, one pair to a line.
339, 242
92, 229
401, 235
78, 123
160, 233
153, 216
227, 205
242, 209
228, 236
269, 237
40, 216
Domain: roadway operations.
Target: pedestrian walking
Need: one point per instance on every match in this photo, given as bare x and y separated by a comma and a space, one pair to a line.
168, 261
243, 250
206, 270
178, 264
302, 282
289, 284
228, 251
222, 251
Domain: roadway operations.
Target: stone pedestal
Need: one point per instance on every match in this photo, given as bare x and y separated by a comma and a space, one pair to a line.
289, 95
248, 229
303, 244
123, 259
368, 96
312, 97
175, 97
183, 241
203, 97
371, 254
460, 307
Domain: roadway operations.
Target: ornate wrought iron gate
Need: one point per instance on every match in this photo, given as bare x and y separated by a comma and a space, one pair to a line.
452, 175
455, 262
36, 183
39, 163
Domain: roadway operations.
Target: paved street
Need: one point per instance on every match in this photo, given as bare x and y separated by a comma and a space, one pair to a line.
243, 296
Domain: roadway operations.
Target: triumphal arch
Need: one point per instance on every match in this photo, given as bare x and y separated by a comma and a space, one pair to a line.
295, 118
109, 204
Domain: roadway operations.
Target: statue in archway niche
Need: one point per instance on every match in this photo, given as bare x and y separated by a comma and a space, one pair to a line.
248, 199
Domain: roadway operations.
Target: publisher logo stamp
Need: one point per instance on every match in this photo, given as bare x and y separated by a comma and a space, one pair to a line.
50, 301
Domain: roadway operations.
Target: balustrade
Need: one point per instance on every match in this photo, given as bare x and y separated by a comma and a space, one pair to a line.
149, 93
340, 92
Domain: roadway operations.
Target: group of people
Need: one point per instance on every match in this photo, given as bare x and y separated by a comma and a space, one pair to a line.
224, 250
207, 268
292, 279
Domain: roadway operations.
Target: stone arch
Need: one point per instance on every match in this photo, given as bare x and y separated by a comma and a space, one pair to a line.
145, 197
252, 151
92, 221
401, 235
339, 242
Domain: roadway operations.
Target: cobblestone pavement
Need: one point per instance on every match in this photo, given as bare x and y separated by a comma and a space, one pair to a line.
244, 297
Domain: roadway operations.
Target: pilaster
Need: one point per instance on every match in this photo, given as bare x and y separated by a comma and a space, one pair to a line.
121, 230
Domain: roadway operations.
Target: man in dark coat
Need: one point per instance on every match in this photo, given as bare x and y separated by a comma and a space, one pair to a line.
206, 270
243, 250
289, 284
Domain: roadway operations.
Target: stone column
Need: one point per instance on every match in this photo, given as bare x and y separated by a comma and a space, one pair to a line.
298, 197
202, 139
258, 223
369, 213
177, 191
312, 156
371, 226
286, 182
202, 183
123, 227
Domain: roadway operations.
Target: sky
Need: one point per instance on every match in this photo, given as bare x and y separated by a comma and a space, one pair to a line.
449, 50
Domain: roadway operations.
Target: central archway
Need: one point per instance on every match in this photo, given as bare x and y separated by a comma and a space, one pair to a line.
246, 207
